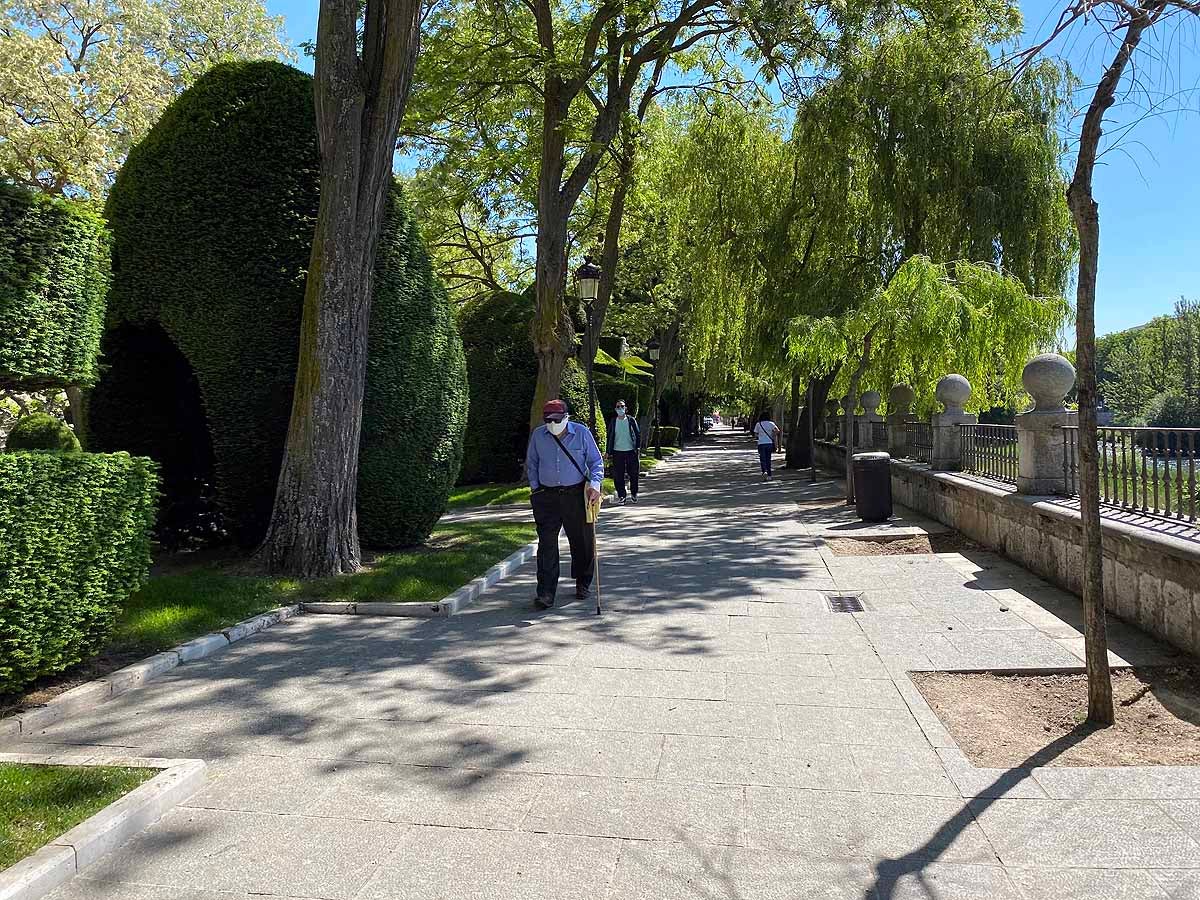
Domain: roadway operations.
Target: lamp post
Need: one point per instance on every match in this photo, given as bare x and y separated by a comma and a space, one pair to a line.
587, 277
652, 351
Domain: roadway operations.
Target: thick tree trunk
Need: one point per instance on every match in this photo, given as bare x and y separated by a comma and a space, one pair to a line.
794, 440
551, 331
1086, 214
359, 102
814, 404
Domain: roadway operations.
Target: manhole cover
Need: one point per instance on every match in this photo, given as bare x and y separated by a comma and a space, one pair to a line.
845, 603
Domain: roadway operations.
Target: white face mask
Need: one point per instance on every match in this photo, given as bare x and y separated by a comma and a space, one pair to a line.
621, 411
557, 428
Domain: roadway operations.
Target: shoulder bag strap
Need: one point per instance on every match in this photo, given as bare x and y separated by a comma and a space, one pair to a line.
564, 449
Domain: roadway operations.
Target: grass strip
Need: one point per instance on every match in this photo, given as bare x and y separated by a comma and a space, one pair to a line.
40, 803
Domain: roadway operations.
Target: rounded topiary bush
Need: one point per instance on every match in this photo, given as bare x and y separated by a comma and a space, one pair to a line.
212, 218
502, 376
54, 272
415, 408
42, 431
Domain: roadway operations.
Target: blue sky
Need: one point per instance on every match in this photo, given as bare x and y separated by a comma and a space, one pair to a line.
1148, 187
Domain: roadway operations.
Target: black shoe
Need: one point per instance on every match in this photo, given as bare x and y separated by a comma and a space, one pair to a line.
633, 499
583, 593
543, 602
620, 501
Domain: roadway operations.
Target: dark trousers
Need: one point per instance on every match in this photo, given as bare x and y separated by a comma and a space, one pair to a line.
626, 462
764, 457
555, 509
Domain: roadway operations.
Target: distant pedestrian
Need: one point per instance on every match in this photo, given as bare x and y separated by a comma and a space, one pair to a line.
767, 433
624, 441
565, 471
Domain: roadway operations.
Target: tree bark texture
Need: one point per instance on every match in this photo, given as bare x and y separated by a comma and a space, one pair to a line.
794, 439
1086, 214
359, 102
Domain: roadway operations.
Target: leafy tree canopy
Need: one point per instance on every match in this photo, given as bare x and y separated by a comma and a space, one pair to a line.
82, 81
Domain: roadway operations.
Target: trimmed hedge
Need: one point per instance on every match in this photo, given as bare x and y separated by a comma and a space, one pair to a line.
42, 431
415, 407
213, 216
75, 540
54, 276
610, 389
501, 376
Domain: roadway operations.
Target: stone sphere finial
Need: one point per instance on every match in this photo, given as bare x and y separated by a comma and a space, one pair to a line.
870, 402
953, 391
1048, 378
831, 407
900, 398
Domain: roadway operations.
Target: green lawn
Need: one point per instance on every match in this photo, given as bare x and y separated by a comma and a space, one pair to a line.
474, 495
183, 604
39, 803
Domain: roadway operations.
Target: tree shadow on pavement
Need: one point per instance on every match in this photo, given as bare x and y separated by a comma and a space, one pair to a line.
890, 872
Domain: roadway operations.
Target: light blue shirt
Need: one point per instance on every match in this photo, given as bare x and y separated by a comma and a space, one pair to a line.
622, 434
547, 467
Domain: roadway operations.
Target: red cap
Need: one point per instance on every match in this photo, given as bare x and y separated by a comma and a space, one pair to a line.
554, 408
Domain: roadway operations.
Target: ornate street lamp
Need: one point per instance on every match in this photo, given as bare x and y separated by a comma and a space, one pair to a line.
652, 353
587, 277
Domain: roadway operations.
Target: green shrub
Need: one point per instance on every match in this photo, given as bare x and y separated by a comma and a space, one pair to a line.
75, 540
415, 408
610, 389
501, 376
213, 217
54, 274
42, 431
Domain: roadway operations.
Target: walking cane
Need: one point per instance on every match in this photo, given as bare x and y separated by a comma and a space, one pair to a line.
593, 516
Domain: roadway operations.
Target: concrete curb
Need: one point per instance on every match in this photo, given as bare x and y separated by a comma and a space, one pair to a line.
87, 696
65, 856
448, 606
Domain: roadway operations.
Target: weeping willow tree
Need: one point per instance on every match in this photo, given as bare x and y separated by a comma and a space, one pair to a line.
928, 230
691, 235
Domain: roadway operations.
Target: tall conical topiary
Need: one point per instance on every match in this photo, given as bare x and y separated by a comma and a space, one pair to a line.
212, 219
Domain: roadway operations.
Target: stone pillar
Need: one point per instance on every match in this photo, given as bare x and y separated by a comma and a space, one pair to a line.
870, 403
1040, 451
831, 420
900, 400
845, 420
952, 392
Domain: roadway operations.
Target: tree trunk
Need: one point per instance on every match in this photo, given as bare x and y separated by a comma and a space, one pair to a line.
609, 254
552, 331
812, 412
359, 102
1086, 214
78, 407
794, 440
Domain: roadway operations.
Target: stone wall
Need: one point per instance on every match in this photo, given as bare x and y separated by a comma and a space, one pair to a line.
1151, 579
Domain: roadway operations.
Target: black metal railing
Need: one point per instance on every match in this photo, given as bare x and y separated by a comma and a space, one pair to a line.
1146, 470
879, 435
918, 441
990, 451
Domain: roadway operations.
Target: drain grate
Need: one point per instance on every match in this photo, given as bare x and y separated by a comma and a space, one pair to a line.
845, 603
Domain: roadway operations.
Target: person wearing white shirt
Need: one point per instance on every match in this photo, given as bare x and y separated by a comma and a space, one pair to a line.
767, 432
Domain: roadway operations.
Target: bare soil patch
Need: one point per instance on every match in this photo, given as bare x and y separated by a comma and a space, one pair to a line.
1002, 721
948, 542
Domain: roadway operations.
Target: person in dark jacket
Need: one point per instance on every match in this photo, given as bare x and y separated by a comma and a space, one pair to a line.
624, 443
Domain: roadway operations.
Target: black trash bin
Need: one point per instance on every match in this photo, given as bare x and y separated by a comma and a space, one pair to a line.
873, 486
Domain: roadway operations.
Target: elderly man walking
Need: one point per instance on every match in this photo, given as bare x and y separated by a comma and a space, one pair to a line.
565, 471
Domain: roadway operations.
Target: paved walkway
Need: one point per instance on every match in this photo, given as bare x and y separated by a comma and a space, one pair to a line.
716, 734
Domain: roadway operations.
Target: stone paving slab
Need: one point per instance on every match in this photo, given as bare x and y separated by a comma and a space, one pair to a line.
717, 733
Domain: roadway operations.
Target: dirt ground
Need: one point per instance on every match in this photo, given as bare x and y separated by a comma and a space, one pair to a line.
1003, 721
949, 542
